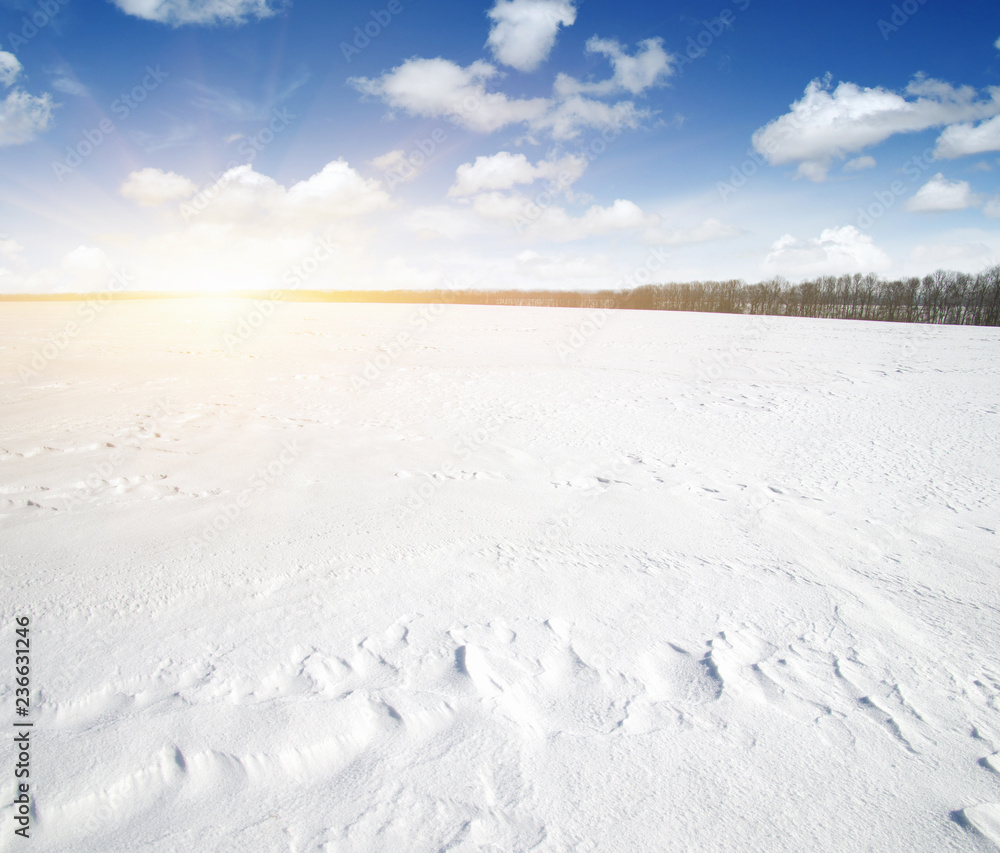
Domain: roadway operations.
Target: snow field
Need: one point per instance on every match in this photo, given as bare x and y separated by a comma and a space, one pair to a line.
702, 582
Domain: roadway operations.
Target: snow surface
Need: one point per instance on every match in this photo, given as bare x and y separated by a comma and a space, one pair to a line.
550, 580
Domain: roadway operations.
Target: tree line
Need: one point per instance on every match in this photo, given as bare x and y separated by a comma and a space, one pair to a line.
947, 297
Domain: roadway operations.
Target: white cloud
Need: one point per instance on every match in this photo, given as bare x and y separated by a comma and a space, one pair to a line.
439, 87
10, 68
85, 269
398, 168
859, 163
64, 80
240, 195
621, 215
836, 251
335, 192
248, 231
245, 232
391, 161
962, 139
992, 207
24, 116
501, 171
150, 187
249, 199
535, 217
180, 12
556, 224
996, 44
85, 261
650, 66
524, 31
576, 113
243, 195
70, 86
824, 126
940, 194
10, 249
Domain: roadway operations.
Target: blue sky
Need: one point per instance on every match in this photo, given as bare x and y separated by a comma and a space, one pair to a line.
214, 144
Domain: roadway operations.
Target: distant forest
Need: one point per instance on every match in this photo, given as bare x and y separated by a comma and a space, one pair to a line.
954, 298
946, 297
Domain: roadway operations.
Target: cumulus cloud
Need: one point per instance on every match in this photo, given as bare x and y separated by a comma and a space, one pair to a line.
962, 139
439, 87
650, 66
390, 161
501, 171
151, 187
85, 260
240, 196
10, 69
556, 224
940, 194
24, 116
176, 13
244, 196
335, 192
84, 269
496, 203
621, 215
524, 31
826, 125
398, 167
10, 248
836, 251
992, 207
577, 113
248, 231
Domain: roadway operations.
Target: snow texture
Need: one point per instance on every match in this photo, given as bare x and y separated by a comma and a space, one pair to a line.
395, 577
